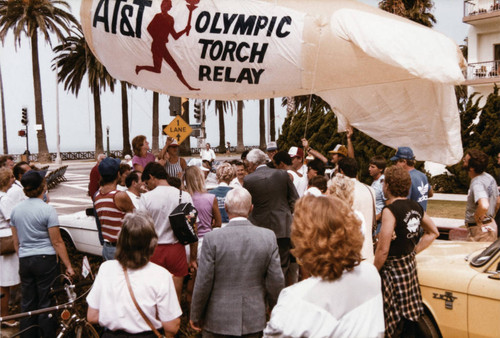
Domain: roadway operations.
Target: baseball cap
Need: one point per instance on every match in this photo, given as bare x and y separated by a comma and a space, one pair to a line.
403, 153
174, 143
296, 152
339, 149
109, 166
272, 146
32, 179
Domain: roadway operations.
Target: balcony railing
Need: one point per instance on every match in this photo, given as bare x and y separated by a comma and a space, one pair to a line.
483, 70
472, 7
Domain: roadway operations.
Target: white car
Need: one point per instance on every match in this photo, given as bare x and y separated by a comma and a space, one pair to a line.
80, 230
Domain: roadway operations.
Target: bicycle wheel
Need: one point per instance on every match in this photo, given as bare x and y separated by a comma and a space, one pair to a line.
85, 330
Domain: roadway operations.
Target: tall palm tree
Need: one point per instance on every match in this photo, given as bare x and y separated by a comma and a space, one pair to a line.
31, 17
262, 125
222, 107
155, 131
73, 61
272, 120
240, 147
125, 128
4, 124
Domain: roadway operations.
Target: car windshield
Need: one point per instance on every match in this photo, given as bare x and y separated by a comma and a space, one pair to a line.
485, 255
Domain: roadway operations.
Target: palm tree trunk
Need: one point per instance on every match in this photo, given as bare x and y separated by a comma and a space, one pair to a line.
185, 147
99, 149
239, 145
4, 124
125, 129
272, 127
43, 151
222, 128
155, 133
262, 125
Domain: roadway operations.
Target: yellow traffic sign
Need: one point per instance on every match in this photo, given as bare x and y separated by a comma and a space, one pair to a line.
178, 129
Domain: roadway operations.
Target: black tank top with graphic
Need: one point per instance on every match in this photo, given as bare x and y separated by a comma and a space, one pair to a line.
408, 216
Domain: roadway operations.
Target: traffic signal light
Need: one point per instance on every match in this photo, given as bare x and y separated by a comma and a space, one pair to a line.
24, 116
197, 111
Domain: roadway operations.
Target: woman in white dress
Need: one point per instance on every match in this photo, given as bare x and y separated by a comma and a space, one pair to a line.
343, 298
9, 264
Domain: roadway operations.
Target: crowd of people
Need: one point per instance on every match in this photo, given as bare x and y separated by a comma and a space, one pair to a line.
290, 243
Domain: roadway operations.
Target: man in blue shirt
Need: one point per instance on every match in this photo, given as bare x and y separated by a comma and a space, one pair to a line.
420, 190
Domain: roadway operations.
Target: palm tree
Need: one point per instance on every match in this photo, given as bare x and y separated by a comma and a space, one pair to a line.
272, 120
239, 127
125, 129
415, 10
262, 125
4, 124
73, 60
222, 107
155, 133
31, 17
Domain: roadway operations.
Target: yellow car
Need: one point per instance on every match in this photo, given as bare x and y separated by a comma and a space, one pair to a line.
460, 284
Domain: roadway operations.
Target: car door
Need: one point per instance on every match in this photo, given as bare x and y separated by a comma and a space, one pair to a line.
484, 302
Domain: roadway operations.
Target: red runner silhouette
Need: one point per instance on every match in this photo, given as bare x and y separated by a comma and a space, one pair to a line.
160, 28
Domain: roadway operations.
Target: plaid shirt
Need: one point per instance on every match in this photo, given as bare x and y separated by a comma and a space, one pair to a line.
401, 291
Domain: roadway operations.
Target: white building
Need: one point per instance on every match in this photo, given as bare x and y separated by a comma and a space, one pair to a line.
483, 70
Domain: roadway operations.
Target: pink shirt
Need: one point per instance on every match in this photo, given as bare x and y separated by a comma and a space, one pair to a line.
142, 161
204, 204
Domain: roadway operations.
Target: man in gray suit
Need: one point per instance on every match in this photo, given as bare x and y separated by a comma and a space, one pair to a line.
238, 267
273, 198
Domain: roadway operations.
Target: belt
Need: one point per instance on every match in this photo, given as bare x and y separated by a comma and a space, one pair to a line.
109, 243
485, 221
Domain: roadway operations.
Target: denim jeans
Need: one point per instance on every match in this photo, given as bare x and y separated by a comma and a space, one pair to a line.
37, 275
108, 251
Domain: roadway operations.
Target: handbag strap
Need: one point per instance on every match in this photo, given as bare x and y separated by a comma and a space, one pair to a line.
180, 196
146, 319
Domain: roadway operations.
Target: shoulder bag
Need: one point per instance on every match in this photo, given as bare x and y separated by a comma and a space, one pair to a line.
143, 315
7, 244
182, 220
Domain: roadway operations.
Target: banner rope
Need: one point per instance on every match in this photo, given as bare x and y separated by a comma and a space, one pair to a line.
308, 111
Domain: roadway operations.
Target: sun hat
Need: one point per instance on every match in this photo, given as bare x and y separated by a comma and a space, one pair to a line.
403, 153
339, 149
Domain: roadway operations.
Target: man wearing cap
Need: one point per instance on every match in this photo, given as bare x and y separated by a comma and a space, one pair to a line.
482, 199
271, 149
110, 205
207, 154
174, 164
420, 190
298, 170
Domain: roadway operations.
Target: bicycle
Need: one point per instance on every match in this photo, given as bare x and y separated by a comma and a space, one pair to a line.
72, 323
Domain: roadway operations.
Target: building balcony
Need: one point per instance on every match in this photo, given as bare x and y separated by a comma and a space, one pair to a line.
481, 10
482, 73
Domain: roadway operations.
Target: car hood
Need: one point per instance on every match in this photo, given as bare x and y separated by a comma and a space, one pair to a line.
445, 259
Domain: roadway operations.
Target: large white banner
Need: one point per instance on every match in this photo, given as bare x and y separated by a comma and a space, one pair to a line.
389, 77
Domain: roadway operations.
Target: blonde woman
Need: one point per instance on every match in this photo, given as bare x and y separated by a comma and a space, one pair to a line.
342, 187
206, 204
9, 263
225, 174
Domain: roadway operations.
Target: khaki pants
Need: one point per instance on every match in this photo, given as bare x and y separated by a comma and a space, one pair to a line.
476, 233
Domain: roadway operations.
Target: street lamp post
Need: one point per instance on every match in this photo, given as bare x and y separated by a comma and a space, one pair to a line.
107, 140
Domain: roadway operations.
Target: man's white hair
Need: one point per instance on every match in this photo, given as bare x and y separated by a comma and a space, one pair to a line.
238, 202
257, 157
